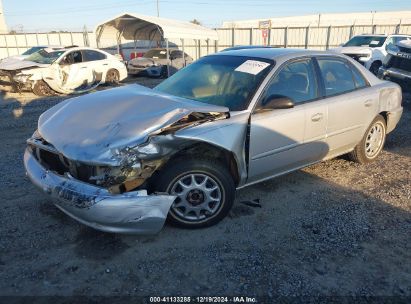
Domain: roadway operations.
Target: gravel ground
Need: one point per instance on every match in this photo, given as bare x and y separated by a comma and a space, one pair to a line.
333, 229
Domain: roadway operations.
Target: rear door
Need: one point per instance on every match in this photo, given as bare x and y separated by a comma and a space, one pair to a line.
286, 139
352, 103
98, 64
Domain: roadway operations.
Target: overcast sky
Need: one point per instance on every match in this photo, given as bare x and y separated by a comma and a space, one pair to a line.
42, 15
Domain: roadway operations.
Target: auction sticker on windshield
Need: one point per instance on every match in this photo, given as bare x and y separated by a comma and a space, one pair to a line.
252, 67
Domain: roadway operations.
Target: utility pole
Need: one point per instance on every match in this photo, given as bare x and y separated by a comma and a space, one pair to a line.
158, 11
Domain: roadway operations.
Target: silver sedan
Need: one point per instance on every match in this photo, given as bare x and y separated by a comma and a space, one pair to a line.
125, 159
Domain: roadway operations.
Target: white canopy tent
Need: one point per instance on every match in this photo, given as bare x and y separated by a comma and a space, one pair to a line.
135, 27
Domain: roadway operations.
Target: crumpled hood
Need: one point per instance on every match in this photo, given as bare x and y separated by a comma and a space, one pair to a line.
353, 50
11, 64
90, 128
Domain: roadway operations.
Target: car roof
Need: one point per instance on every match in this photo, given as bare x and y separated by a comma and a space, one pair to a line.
274, 53
372, 35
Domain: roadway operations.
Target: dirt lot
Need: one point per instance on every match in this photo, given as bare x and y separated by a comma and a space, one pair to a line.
333, 229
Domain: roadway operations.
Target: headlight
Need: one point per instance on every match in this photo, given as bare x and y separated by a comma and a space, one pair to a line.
22, 77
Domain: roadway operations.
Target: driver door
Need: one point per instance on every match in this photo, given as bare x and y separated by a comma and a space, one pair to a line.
282, 140
70, 74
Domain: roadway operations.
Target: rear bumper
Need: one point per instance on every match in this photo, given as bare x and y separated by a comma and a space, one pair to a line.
131, 212
393, 117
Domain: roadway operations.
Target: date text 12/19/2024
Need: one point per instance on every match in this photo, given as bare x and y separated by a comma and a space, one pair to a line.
208, 299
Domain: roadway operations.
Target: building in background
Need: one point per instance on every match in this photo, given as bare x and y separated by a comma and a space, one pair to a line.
3, 26
368, 18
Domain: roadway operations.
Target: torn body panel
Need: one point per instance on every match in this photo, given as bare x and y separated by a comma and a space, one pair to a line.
131, 212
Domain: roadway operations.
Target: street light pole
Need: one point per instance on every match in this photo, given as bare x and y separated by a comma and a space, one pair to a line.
158, 11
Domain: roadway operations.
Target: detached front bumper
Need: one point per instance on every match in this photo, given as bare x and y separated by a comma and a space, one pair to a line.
131, 212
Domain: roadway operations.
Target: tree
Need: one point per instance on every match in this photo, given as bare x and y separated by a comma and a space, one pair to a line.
195, 21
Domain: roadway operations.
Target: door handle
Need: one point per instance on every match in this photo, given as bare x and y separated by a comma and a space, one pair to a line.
368, 103
317, 117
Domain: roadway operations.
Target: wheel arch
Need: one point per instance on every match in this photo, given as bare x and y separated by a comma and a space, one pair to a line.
210, 151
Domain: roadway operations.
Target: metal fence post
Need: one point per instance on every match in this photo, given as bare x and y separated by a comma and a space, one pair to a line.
269, 37
71, 38
7, 45
15, 41
307, 32
215, 46
37, 38
327, 45
208, 46
374, 28
286, 37
251, 36
48, 39
59, 38
351, 31
232, 37
199, 48
398, 28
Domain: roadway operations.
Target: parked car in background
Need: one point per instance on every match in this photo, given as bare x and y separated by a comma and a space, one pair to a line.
370, 50
245, 47
67, 71
154, 62
10, 60
397, 65
227, 121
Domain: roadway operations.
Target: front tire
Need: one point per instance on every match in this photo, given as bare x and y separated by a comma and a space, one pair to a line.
205, 192
41, 88
372, 143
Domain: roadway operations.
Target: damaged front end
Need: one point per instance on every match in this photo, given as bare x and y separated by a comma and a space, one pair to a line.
107, 191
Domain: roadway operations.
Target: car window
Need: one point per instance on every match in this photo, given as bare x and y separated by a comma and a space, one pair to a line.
370, 41
296, 81
72, 58
359, 79
177, 54
337, 76
398, 39
90, 55
45, 57
156, 54
221, 80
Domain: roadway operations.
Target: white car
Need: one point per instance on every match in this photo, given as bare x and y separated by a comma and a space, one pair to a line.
370, 50
66, 71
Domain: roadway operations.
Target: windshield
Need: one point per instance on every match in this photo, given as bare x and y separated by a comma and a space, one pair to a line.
44, 57
370, 41
33, 50
156, 54
229, 81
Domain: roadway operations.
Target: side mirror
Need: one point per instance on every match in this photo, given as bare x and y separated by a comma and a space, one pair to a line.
274, 102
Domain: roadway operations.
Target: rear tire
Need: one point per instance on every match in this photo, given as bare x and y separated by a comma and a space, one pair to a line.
112, 77
204, 188
371, 144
